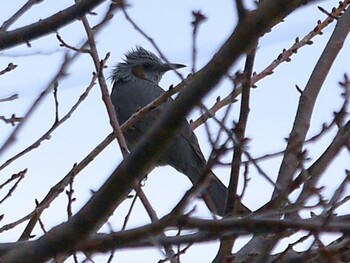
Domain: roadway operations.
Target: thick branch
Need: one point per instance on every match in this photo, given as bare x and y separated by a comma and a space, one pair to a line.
112, 193
204, 230
46, 26
291, 159
318, 167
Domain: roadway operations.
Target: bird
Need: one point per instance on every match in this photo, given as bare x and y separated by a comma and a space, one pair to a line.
136, 84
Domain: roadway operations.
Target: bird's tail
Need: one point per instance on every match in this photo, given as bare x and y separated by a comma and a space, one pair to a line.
215, 197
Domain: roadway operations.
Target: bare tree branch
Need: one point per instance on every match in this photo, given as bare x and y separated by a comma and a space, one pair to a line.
232, 202
60, 74
122, 180
9, 68
293, 154
19, 13
46, 26
291, 158
284, 56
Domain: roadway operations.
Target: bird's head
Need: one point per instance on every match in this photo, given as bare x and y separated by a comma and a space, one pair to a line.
142, 64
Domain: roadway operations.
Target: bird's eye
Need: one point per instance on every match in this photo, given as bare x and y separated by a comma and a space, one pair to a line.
147, 66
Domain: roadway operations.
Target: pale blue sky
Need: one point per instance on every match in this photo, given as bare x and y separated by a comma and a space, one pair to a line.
168, 23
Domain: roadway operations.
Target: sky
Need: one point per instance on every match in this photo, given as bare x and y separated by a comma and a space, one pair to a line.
273, 106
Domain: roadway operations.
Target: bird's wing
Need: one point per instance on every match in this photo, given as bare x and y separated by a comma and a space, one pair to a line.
188, 134
186, 130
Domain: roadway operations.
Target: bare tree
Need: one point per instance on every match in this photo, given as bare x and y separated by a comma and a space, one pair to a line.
290, 210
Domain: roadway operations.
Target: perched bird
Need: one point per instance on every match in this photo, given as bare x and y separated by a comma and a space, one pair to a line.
135, 84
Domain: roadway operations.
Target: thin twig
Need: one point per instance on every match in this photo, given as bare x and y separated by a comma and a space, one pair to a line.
154, 44
18, 177
70, 197
13, 120
56, 124
291, 158
55, 96
9, 98
239, 131
29, 4
232, 202
128, 214
240, 9
9, 68
60, 74
282, 57
198, 19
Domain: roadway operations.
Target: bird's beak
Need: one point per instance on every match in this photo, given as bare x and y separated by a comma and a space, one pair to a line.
171, 66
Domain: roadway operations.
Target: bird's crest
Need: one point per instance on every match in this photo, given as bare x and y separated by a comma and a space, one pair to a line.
136, 57
140, 55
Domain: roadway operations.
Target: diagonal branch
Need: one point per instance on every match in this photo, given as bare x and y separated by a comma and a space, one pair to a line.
103, 203
46, 26
60, 74
291, 159
319, 166
293, 154
29, 4
282, 57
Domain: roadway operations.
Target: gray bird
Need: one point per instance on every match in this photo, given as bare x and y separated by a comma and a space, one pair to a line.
135, 84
